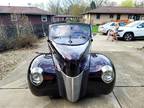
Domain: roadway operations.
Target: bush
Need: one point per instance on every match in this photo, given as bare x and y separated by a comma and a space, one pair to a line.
95, 28
17, 42
18, 35
25, 41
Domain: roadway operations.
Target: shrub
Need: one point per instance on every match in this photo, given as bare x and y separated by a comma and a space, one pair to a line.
17, 42
24, 36
25, 41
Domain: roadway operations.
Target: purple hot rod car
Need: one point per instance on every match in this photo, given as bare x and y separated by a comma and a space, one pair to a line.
71, 70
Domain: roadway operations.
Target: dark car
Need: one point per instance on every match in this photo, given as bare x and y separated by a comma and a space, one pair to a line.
71, 70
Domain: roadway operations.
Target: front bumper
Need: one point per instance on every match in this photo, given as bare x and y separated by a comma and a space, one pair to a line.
88, 82
120, 34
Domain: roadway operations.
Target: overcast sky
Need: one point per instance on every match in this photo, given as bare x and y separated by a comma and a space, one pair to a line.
25, 2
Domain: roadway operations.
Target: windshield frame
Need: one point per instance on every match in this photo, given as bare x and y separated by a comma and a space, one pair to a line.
62, 24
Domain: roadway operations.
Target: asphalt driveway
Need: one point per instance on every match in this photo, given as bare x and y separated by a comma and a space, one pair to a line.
128, 92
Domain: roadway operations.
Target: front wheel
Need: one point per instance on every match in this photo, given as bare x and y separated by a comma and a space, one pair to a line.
128, 36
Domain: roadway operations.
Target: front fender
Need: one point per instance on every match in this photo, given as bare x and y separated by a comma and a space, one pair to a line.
95, 82
49, 85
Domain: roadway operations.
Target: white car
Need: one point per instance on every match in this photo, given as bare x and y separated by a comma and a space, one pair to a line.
105, 28
132, 31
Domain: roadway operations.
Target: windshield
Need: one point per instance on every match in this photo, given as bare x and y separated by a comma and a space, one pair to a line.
70, 33
133, 24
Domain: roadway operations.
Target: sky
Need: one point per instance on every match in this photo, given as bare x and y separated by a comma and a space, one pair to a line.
26, 2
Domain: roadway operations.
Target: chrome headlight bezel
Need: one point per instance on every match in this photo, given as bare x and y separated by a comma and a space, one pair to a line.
36, 76
107, 74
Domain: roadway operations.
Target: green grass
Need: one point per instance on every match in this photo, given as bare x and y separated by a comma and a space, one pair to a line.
94, 28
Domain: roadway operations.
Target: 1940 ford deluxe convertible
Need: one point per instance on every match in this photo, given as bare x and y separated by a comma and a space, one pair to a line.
70, 70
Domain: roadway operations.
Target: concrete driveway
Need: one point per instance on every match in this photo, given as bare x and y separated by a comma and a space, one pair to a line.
128, 92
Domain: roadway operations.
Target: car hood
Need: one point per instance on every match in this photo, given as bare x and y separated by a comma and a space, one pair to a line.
125, 28
71, 52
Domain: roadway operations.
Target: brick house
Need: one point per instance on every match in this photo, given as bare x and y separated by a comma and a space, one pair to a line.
105, 14
38, 18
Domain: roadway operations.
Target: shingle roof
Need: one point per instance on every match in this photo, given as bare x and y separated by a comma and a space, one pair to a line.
23, 10
117, 10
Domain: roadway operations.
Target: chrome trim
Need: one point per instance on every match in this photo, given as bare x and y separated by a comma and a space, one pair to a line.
72, 86
107, 69
39, 71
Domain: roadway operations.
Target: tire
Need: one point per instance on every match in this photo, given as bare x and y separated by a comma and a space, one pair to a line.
128, 36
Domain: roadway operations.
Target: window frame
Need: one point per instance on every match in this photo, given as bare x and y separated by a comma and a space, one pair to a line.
111, 16
118, 16
98, 16
42, 18
13, 17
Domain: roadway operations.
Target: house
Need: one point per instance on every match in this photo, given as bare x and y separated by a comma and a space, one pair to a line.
105, 14
38, 18
65, 18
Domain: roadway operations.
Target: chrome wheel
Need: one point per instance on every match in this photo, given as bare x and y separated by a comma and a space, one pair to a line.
128, 37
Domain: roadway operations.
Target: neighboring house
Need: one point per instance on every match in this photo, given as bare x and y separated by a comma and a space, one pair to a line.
38, 18
105, 14
65, 18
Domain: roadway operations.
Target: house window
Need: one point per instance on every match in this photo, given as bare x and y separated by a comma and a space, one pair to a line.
98, 16
137, 17
118, 17
44, 18
130, 16
111, 15
13, 17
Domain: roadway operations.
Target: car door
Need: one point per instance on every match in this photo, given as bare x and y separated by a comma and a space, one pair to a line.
139, 30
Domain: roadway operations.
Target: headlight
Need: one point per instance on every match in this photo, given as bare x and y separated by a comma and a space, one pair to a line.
36, 76
107, 74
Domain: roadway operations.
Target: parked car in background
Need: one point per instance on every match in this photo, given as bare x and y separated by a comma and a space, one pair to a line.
132, 31
105, 28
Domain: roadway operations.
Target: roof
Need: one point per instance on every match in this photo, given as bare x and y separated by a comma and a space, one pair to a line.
23, 10
117, 10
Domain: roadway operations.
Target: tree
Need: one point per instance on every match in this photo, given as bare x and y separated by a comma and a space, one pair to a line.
92, 5
74, 7
99, 3
127, 3
110, 3
139, 3
54, 7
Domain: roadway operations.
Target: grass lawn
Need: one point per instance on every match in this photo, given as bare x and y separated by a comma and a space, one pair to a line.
94, 28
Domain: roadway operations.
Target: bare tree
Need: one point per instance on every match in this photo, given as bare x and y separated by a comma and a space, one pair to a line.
54, 6
109, 3
99, 3
139, 3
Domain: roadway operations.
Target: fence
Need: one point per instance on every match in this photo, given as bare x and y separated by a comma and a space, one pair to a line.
13, 31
